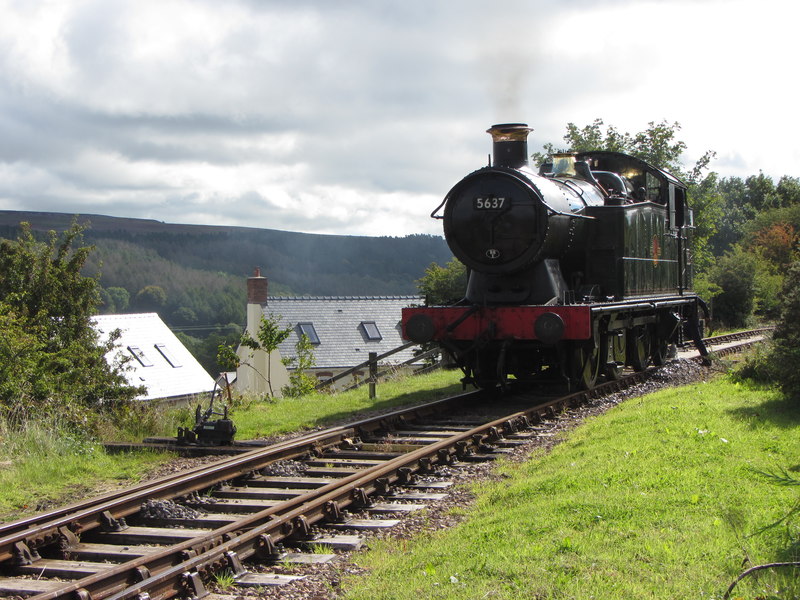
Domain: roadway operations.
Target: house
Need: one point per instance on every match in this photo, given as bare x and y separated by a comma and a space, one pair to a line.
343, 330
156, 358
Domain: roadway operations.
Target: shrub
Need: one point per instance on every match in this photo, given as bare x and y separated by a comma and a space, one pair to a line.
785, 356
51, 361
735, 274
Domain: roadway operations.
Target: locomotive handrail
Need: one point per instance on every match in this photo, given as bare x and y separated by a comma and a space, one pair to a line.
435, 210
654, 303
513, 173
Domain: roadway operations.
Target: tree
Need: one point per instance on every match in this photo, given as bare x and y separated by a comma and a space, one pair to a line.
151, 298
760, 192
120, 297
300, 382
656, 144
777, 243
735, 274
269, 336
443, 285
788, 189
785, 354
735, 214
51, 361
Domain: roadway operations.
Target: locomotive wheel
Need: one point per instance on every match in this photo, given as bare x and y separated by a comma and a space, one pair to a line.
639, 348
612, 355
660, 351
585, 367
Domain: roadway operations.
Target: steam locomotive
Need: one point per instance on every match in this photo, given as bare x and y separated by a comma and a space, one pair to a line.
574, 272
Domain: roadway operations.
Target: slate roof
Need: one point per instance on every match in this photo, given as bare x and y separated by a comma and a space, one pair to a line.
342, 324
163, 364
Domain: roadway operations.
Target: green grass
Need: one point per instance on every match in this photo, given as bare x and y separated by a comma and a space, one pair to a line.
256, 419
41, 466
657, 498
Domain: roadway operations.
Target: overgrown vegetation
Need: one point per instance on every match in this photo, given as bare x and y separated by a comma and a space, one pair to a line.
777, 362
43, 464
51, 361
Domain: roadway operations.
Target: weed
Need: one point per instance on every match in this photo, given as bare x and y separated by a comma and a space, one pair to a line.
225, 580
319, 549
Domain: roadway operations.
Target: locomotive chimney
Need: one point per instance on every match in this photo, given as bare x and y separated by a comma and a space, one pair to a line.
510, 144
257, 288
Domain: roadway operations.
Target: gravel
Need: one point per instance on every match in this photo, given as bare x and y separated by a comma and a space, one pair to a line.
285, 468
167, 509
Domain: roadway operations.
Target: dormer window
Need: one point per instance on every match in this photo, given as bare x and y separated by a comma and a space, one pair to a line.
308, 330
371, 331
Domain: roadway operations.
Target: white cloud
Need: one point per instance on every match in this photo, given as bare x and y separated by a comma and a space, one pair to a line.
357, 117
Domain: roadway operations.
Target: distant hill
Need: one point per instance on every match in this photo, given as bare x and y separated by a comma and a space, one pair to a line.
297, 263
194, 275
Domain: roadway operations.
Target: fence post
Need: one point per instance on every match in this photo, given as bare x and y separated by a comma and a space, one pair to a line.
373, 373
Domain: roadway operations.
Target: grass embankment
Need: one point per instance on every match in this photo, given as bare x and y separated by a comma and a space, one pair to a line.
41, 466
263, 419
658, 498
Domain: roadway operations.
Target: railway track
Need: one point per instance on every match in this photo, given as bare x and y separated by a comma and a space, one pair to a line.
169, 537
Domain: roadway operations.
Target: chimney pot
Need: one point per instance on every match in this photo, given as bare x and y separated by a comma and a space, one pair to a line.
510, 144
257, 288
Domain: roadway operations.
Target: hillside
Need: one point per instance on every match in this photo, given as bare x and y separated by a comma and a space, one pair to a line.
298, 263
194, 275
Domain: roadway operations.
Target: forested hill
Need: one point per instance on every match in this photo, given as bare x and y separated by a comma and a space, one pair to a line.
194, 275
295, 263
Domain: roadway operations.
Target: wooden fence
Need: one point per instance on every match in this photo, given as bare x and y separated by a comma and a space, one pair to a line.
372, 364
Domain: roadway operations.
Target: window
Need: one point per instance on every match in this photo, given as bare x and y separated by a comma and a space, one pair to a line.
371, 330
168, 356
307, 329
139, 355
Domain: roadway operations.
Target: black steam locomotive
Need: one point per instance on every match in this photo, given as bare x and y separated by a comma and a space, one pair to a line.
574, 272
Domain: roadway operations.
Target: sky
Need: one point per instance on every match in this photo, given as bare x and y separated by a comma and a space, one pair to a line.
355, 117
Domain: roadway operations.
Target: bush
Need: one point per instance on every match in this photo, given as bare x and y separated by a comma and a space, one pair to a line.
785, 355
51, 361
735, 274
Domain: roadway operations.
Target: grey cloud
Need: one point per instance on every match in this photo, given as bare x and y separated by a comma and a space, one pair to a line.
288, 100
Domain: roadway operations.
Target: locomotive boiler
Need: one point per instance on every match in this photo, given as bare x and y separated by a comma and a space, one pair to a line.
574, 271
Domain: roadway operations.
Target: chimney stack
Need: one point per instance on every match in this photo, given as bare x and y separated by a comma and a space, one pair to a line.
510, 144
257, 288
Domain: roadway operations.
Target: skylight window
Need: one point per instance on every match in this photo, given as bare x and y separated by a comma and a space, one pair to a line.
308, 330
139, 355
168, 356
371, 331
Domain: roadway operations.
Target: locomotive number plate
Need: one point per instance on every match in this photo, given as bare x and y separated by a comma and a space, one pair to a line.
491, 203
